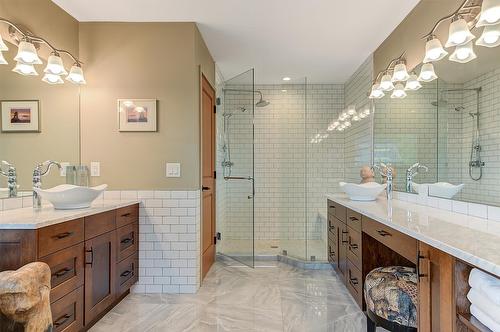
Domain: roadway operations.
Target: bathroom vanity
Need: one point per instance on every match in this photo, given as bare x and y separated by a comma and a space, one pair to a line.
442, 246
92, 254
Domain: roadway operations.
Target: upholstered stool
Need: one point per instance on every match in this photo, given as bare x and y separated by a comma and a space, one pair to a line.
391, 299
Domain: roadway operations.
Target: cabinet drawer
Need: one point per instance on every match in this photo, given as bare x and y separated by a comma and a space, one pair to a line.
67, 312
127, 240
401, 243
355, 283
337, 210
99, 224
354, 220
354, 247
59, 236
67, 270
127, 215
127, 273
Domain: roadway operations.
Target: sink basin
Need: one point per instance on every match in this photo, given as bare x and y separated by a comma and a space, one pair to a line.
362, 192
440, 189
68, 196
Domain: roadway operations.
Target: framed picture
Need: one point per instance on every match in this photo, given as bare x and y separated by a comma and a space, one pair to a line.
137, 115
20, 116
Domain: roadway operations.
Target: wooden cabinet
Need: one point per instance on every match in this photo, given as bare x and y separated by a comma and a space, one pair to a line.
93, 262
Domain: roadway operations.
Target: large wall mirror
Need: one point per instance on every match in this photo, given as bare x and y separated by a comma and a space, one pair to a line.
39, 122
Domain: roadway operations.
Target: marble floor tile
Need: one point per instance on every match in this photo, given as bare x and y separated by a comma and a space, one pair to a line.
271, 297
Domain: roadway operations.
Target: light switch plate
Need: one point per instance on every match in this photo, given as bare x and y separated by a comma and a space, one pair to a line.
173, 170
62, 171
95, 168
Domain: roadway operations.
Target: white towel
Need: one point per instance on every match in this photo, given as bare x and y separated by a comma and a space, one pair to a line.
488, 285
483, 303
484, 319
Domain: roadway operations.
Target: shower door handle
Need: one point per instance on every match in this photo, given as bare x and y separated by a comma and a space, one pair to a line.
249, 178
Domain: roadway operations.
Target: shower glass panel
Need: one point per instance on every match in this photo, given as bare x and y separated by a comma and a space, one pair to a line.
236, 167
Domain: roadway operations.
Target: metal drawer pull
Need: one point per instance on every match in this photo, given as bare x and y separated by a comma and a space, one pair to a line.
381, 232
344, 232
125, 273
61, 272
354, 281
61, 320
62, 235
126, 215
353, 246
126, 240
353, 219
419, 258
332, 207
91, 251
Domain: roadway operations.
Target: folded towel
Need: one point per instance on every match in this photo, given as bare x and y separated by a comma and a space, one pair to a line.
483, 303
484, 319
488, 285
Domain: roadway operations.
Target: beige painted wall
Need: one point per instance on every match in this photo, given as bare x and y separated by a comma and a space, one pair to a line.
59, 136
143, 60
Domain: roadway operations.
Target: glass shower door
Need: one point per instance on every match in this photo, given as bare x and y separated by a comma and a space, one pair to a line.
238, 168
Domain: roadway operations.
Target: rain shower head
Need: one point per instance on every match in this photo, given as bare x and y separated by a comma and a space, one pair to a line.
262, 103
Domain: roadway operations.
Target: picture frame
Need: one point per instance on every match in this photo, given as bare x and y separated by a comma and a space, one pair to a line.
20, 116
137, 115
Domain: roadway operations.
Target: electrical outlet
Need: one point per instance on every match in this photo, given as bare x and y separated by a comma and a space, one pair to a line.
95, 168
173, 170
62, 171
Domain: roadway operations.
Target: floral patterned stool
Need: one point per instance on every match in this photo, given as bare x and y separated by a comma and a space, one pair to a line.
391, 299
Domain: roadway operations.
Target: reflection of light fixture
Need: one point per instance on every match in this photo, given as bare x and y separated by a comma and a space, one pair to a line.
52, 79
55, 65
333, 126
347, 124
386, 83
356, 117
128, 103
3, 46
27, 54
459, 33
2, 59
413, 84
400, 72
286, 78
427, 73
351, 110
434, 51
376, 93
76, 74
490, 36
139, 109
463, 53
399, 91
343, 116
25, 69
490, 13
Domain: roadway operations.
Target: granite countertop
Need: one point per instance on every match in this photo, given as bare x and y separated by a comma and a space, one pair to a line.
471, 239
28, 218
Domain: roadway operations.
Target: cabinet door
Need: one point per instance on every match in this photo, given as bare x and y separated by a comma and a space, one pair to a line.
435, 286
100, 282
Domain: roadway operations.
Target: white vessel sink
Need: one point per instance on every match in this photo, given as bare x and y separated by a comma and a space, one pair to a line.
362, 192
67, 196
439, 189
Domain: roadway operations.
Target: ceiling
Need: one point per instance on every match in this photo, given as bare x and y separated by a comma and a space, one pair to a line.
325, 40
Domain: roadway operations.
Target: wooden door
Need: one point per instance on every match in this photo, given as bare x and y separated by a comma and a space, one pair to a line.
100, 283
208, 176
435, 287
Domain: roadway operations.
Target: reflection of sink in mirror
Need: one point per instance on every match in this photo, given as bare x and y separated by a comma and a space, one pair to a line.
68, 196
440, 189
362, 192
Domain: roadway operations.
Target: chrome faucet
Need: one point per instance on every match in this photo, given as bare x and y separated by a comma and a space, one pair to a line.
386, 172
411, 172
41, 170
11, 176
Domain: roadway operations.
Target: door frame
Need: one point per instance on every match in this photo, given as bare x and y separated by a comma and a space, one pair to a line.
203, 80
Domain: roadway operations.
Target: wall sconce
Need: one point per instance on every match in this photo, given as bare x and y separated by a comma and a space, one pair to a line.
459, 33
463, 53
400, 73
490, 13
413, 84
434, 50
399, 91
490, 36
427, 73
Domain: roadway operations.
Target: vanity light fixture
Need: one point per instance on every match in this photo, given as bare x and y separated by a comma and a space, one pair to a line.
76, 75
347, 124
427, 73
459, 32
3, 46
376, 92
400, 73
399, 91
55, 65
343, 116
25, 69
463, 53
52, 79
2, 59
490, 36
333, 125
351, 110
356, 117
413, 84
434, 50
490, 13
386, 83
27, 54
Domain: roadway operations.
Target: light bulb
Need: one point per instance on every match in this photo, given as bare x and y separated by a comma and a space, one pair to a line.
376, 92
427, 73
434, 50
490, 36
386, 83
400, 72
55, 65
490, 13
459, 33
413, 84
25, 69
399, 91
2, 59
52, 79
27, 54
3, 46
76, 75
463, 53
